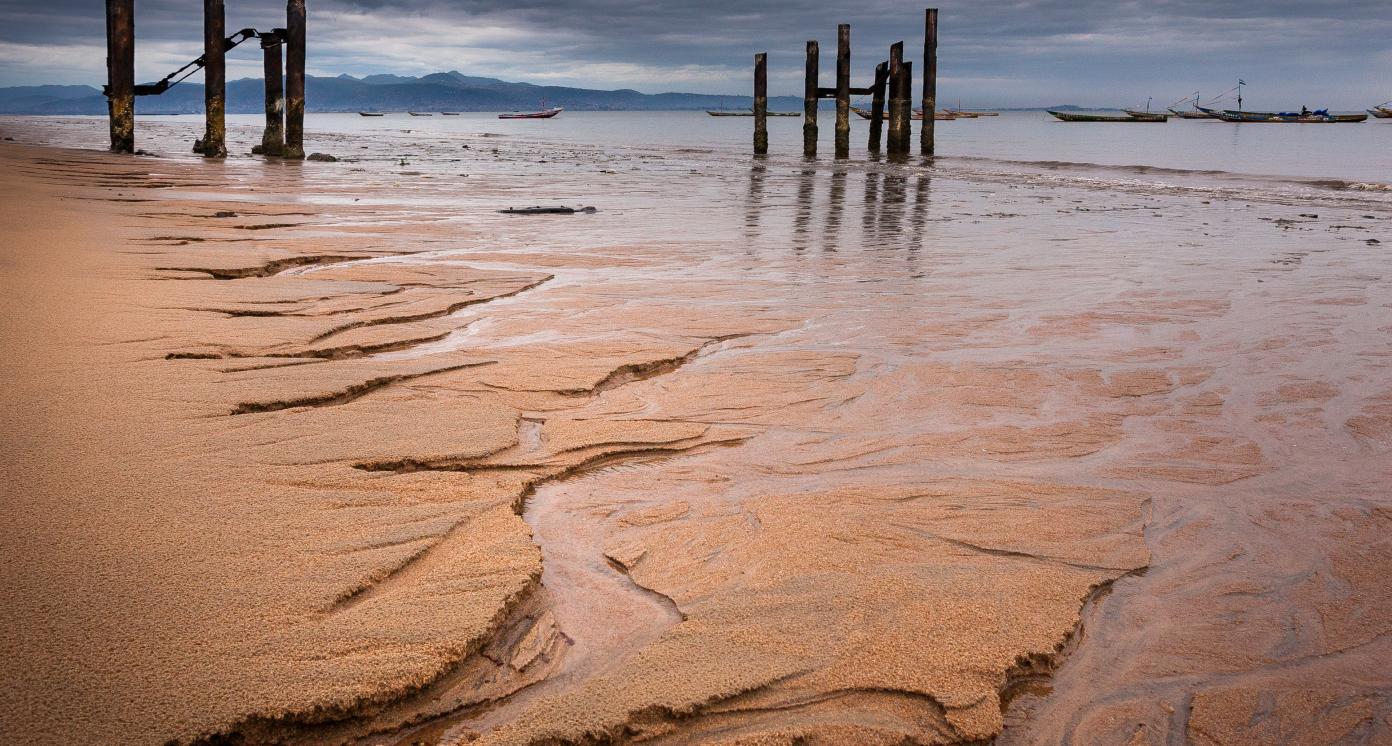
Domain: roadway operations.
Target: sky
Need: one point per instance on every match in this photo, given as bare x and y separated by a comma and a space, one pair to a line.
992, 52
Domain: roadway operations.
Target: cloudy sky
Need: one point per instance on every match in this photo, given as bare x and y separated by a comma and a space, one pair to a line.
994, 52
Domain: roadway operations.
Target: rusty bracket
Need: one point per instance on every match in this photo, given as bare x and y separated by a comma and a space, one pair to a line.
178, 76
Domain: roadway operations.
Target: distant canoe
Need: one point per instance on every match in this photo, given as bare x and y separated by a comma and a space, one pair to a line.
1191, 114
544, 114
420, 113
449, 113
1071, 117
370, 114
1145, 114
917, 115
972, 114
1381, 112
739, 113
1268, 117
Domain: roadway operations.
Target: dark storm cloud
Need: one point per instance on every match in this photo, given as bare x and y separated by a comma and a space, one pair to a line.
1023, 52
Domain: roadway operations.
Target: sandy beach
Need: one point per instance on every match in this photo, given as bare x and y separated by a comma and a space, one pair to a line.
792, 452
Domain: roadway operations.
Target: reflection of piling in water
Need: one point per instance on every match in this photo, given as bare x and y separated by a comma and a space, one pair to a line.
836, 199
810, 99
806, 190
760, 104
754, 205
919, 218
869, 219
930, 79
892, 207
214, 80
120, 73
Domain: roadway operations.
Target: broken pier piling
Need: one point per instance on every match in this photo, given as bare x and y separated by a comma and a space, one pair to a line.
284, 133
891, 91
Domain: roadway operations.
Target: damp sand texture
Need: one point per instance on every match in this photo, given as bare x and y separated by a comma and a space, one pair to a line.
868, 454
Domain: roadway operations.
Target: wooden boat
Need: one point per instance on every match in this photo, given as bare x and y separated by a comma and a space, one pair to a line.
1146, 114
1071, 117
544, 114
1381, 112
739, 113
1315, 117
420, 113
449, 113
971, 114
370, 114
916, 116
1191, 114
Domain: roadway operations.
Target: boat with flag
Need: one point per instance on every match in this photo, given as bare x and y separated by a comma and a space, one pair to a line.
1305, 116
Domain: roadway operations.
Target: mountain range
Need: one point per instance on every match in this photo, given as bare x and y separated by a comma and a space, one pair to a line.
448, 91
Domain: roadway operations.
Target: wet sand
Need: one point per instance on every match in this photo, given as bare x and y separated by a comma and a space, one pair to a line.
869, 453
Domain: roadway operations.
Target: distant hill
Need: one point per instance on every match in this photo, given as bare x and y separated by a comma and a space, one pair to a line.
449, 91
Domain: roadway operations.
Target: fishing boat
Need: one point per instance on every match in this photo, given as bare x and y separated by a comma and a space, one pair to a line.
1145, 114
916, 116
741, 113
1182, 114
1072, 117
543, 114
1381, 112
1321, 116
449, 113
420, 113
959, 113
370, 114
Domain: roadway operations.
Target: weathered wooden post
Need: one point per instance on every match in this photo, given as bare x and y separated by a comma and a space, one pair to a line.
120, 73
294, 78
810, 98
760, 103
930, 79
906, 93
877, 104
899, 106
843, 91
273, 138
214, 80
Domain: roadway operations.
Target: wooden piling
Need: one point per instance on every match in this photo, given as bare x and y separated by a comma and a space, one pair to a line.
810, 98
294, 78
120, 73
877, 106
906, 93
273, 137
214, 80
843, 91
930, 79
899, 105
760, 103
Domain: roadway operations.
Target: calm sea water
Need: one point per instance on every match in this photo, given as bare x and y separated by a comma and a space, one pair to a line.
1342, 152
